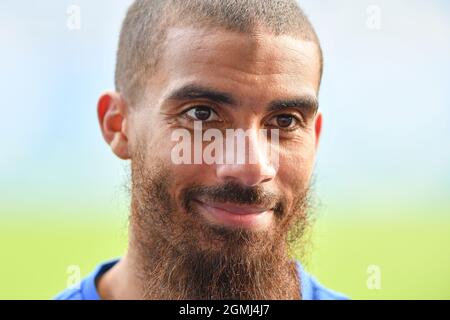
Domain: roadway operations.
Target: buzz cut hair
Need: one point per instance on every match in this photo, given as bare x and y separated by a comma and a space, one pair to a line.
145, 27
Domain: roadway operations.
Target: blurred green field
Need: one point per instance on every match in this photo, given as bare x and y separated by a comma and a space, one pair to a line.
412, 253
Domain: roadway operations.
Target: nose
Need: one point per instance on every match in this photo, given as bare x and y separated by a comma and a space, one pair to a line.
252, 164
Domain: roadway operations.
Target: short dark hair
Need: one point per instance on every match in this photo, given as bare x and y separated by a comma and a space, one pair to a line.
146, 23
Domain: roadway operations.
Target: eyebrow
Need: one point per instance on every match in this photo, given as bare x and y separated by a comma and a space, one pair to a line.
306, 102
195, 91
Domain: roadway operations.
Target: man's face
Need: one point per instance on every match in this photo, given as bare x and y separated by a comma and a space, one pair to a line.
225, 80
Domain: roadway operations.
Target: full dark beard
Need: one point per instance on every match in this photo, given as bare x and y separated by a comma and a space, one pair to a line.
179, 256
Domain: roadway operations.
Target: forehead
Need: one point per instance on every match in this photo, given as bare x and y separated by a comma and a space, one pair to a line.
257, 63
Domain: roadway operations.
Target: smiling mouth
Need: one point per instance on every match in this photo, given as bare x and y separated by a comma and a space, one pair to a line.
236, 216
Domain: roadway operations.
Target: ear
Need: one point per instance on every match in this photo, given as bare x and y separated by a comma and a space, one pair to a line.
318, 127
111, 112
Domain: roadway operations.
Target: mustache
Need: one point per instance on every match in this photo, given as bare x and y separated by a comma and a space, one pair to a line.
233, 192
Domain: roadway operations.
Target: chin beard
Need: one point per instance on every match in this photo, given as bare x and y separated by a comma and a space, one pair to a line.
178, 256
204, 276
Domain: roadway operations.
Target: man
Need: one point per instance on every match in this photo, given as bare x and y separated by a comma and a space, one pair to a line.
221, 229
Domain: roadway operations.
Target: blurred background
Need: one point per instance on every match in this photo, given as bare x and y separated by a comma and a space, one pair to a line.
382, 175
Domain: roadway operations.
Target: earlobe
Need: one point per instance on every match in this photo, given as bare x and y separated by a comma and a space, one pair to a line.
111, 112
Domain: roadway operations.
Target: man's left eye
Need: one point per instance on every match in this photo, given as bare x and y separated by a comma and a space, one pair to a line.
284, 121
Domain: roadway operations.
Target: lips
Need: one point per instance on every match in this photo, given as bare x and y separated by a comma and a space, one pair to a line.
235, 216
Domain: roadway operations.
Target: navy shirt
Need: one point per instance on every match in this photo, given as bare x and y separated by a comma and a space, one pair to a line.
311, 289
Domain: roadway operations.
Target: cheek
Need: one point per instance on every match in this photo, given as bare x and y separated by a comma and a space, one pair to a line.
185, 160
296, 165
169, 148
189, 174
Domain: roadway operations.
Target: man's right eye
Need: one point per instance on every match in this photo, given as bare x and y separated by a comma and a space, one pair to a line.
202, 113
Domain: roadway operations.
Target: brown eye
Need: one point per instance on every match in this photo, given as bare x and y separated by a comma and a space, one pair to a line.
285, 120
202, 113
